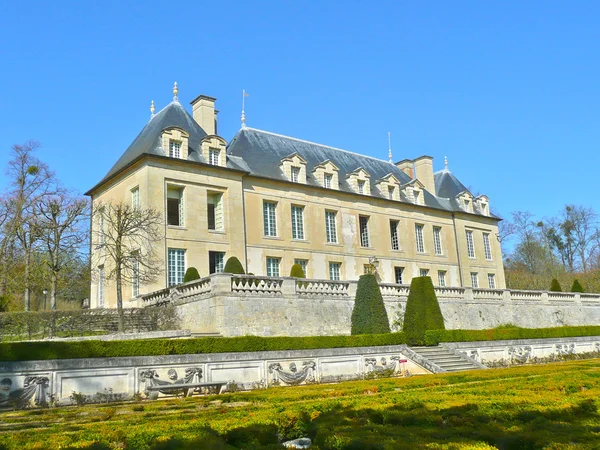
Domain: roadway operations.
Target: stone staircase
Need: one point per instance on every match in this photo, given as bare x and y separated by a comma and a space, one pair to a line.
440, 360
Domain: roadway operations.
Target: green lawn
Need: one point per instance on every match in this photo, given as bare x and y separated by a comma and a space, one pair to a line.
550, 406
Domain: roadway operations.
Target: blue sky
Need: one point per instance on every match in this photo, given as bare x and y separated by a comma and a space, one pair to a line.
509, 91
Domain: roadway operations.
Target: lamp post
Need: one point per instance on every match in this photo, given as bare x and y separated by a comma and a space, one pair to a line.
45, 291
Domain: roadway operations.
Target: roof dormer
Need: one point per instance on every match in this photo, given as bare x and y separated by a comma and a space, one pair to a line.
326, 174
175, 142
465, 200
359, 181
213, 150
389, 187
294, 168
482, 205
414, 192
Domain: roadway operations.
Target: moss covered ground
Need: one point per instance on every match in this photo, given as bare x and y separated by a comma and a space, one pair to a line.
551, 406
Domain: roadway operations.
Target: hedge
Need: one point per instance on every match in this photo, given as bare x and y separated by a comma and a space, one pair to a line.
369, 315
31, 351
422, 311
434, 337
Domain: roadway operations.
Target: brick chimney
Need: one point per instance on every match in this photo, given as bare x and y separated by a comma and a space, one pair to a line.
203, 109
406, 166
424, 172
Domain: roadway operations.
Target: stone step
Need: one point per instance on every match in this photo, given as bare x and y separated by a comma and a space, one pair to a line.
445, 359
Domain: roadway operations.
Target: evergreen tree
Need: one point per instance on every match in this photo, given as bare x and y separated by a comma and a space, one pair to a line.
369, 315
423, 311
191, 274
577, 287
555, 286
234, 266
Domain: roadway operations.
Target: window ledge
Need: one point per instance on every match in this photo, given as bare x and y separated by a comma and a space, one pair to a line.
397, 251
334, 244
301, 241
273, 238
217, 231
176, 227
366, 248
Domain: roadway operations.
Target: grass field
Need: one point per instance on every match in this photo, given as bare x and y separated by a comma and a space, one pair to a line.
550, 406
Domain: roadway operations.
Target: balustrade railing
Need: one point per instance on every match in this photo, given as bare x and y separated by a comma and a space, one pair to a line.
450, 292
322, 287
394, 290
250, 284
196, 287
528, 296
488, 294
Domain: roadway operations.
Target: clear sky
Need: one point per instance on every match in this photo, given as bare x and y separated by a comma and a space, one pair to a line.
509, 91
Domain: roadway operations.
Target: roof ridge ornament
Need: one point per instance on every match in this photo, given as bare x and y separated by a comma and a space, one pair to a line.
390, 148
152, 109
244, 95
175, 92
445, 163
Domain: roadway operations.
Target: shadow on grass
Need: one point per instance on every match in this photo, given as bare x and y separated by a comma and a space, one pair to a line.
508, 427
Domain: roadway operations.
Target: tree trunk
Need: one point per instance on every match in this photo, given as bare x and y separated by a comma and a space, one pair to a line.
27, 290
120, 300
53, 289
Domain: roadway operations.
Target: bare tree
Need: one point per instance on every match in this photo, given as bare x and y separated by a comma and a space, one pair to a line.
62, 221
124, 238
583, 227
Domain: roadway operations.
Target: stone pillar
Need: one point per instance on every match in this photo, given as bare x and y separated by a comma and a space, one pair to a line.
288, 287
352, 285
220, 283
468, 293
506, 296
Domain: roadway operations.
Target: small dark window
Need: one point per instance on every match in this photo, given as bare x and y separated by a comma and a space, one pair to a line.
173, 211
216, 262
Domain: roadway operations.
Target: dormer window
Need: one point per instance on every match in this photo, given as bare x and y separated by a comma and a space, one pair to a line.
327, 179
326, 174
214, 157
294, 168
358, 180
212, 149
361, 186
416, 196
391, 191
467, 204
174, 149
295, 174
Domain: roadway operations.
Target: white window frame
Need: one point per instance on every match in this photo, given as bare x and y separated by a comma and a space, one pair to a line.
361, 186
327, 180
295, 173
335, 269
420, 244
437, 240
474, 280
135, 198
219, 262
175, 266
398, 271
423, 272
394, 240
441, 278
487, 248
273, 266
181, 210
331, 227
216, 199
492, 280
214, 156
174, 148
363, 226
298, 222
470, 245
270, 218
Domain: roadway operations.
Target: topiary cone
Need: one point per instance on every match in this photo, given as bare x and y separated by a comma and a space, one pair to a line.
297, 271
234, 266
369, 315
577, 287
423, 311
555, 286
191, 274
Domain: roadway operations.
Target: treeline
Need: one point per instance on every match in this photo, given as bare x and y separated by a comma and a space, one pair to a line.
565, 247
44, 236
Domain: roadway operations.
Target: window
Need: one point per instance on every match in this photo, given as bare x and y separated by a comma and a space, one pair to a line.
487, 247
467, 204
273, 267
213, 157
135, 274
176, 266
302, 263
334, 271
398, 271
423, 272
363, 222
391, 192
216, 262
296, 174
394, 234
416, 197
491, 281
100, 286
135, 198
419, 238
441, 278
175, 206
470, 247
361, 186
327, 178
297, 222
174, 149
437, 240
474, 280
270, 218
330, 227
214, 210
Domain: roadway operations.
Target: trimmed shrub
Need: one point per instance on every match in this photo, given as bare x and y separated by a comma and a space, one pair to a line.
234, 266
577, 287
369, 315
422, 311
555, 286
191, 274
297, 271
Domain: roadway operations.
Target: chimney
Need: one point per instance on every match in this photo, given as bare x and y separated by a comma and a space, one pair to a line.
424, 172
203, 109
406, 166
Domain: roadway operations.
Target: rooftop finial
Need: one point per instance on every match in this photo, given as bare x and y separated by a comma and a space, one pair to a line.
244, 95
445, 162
152, 109
390, 147
175, 92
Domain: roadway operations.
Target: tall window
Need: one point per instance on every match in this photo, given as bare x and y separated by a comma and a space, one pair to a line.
273, 267
398, 271
330, 228
361, 186
470, 247
302, 263
327, 179
176, 266
391, 192
416, 197
441, 278
297, 222
419, 238
363, 222
216, 262
295, 174
100, 286
175, 206
214, 209
491, 281
437, 240
174, 149
424, 272
487, 248
334, 271
474, 280
213, 156
270, 219
135, 274
135, 198
394, 234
